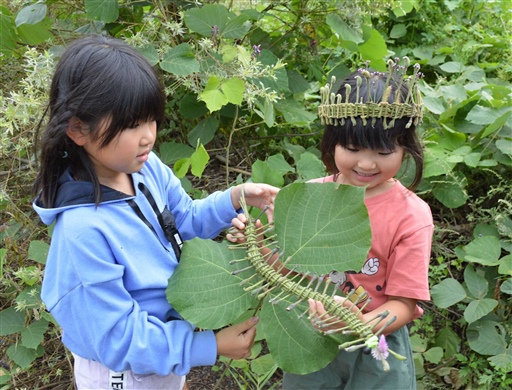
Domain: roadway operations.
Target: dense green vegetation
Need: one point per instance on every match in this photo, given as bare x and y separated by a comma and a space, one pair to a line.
242, 81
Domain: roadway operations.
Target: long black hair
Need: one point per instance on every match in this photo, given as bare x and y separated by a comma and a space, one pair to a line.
370, 133
98, 80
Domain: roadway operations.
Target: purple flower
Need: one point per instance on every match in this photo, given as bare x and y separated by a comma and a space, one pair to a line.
380, 352
256, 50
215, 30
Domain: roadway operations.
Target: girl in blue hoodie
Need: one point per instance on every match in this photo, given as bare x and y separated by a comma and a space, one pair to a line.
120, 217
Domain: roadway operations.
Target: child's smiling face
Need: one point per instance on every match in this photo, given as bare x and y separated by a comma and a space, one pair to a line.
366, 167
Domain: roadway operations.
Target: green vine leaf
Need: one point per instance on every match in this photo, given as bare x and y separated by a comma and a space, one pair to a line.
212, 95
180, 60
201, 20
103, 10
31, 14
233, 90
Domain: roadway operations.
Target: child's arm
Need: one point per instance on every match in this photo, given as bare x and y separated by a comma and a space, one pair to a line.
402, 308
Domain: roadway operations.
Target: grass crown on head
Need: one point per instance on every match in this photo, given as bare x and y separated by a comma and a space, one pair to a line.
333, 109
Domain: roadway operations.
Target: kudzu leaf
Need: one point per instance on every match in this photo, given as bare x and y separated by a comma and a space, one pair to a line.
204, 290
202, 20
477, 285
31, 14
237, 27
33, 335
233, 90
262, 172
309, 167
38, 251
486, 337
447, 293
485, 250
505, 268
12, 321
103, 10
204, 131
180, 60
198, 161
212, 95
479, 308
339, 26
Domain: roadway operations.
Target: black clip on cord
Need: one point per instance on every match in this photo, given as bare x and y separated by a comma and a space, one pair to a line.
165, 218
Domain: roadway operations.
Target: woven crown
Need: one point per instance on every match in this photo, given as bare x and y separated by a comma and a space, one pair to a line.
333, 110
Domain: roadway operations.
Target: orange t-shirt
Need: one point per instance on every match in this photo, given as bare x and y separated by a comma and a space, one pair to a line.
398, 261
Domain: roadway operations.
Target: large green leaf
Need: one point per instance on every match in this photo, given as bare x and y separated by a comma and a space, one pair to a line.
34, 34
24, 356
340, 27
33, 334
448, 340
309, 166
103, 10
479, 308
447, 293
316, 224
212, 95
180, 60
374, 49
233, 90
450, 194
38, 251
170, 152
203, 290
484, 250
202, 20
237, 27
486, 337
204, 131
12, 321
31, 14
294, 344
8, 33
477, 285
263, 172
323, 226
294, 112
503, 360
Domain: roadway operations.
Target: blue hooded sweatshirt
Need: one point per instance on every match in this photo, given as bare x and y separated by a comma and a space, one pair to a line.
107, 272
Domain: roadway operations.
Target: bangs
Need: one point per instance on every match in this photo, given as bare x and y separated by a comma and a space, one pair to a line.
366, 136
123, 91
139, 99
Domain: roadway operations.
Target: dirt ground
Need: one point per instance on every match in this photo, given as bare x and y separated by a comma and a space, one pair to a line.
204, 378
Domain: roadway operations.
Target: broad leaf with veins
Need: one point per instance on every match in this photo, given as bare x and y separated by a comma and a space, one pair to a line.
322, 227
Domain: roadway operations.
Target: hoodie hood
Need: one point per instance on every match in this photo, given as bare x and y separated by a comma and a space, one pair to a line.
73, 193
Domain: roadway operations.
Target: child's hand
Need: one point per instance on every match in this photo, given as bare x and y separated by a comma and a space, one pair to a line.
258, 195
235, 342
236, 233
322, 321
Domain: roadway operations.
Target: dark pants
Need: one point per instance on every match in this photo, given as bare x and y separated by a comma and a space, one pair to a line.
357, 370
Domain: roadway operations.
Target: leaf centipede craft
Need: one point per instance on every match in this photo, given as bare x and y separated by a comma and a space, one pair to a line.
318, 229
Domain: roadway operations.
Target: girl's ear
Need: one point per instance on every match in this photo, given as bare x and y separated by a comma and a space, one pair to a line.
77, 131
